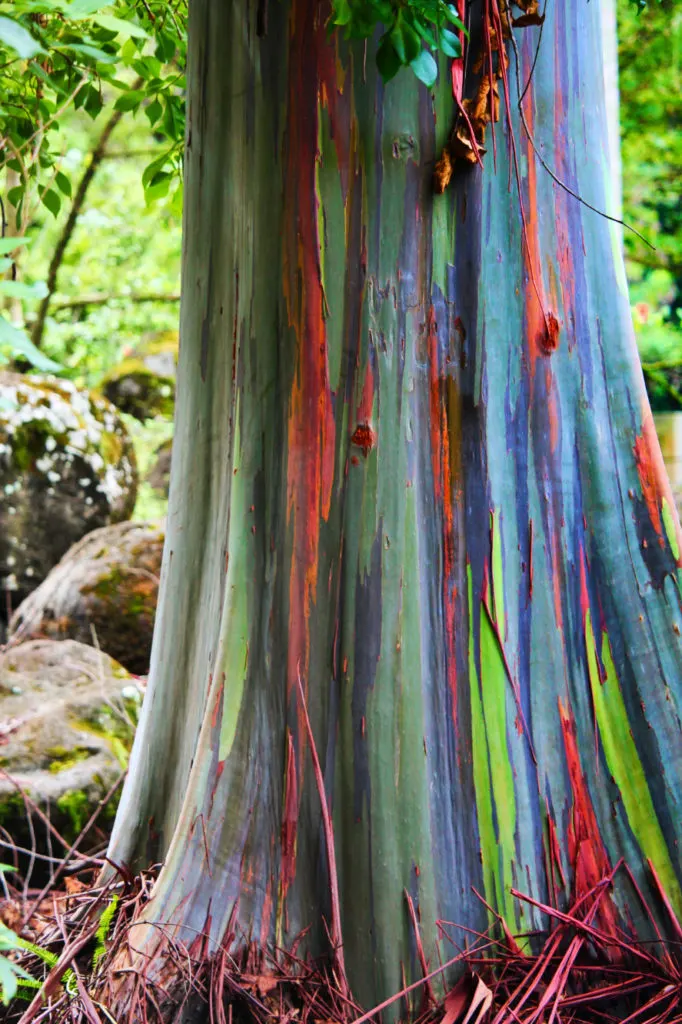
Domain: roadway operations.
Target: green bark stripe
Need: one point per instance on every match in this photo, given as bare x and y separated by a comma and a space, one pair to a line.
493, 776
625, 766
670, 532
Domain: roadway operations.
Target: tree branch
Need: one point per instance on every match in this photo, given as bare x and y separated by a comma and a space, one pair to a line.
103, 300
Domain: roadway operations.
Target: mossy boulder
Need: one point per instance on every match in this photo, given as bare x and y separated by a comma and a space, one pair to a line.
143, 384
67, 716
67, 466
159, 475
104, 590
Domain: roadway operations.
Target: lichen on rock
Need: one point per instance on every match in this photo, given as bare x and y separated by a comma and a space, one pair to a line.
63, 723
67, 466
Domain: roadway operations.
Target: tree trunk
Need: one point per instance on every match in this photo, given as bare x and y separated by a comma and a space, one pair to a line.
396, 481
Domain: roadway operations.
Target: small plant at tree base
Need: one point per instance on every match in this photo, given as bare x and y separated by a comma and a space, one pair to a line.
14, 978
103, 930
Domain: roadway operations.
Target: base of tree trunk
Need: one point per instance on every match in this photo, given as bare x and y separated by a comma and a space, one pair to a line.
77, 940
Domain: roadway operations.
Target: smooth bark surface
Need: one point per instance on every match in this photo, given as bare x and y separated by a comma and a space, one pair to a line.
392, 480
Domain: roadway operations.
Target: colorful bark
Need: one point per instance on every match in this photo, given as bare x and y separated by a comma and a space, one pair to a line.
414, 467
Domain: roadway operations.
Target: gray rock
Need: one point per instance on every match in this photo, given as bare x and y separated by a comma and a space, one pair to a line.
159, 475
143, 384
67, 466
67, 716
105, 587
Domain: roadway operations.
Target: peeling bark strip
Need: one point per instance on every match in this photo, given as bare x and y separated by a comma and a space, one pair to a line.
414, 463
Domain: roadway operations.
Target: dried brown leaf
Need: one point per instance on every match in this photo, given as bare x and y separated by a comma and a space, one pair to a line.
442, 172
531, 14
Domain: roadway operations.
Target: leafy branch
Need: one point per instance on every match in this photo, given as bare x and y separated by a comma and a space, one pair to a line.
415, 31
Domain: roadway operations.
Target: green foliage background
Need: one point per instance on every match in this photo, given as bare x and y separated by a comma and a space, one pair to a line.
650, 63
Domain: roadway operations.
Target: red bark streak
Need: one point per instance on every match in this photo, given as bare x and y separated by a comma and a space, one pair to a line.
266, 921
311, 422
289, 818
440, 428
554, 853
586, 852
562, 201
535, 303
217, 707
653, 478
366, 404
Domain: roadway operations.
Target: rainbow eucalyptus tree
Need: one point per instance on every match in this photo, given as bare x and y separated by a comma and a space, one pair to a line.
416, 490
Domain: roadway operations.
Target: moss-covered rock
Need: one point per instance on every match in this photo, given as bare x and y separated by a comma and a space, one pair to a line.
67, 466
64, 720
105, 587
143, 384
159, 475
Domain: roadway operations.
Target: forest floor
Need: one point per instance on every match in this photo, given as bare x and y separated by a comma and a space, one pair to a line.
582, 969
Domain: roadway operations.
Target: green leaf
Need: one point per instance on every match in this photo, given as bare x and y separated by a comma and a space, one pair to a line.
165, 47
405, 41
342, 13
425, 68
176, 202
388, 61
21, 290
89, 51
426, 34
129, 100
120, 27
93, 101
8, 981
8, 245
147, 67
129, 51
16, 194
159, 177
8, 938
20, 344
171, 126
151, 169
153, 111
83, 8
451, 13
50, 199
449, 43
63, 183
18, 38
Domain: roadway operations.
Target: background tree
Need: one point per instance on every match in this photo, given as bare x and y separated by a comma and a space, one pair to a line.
416, 490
